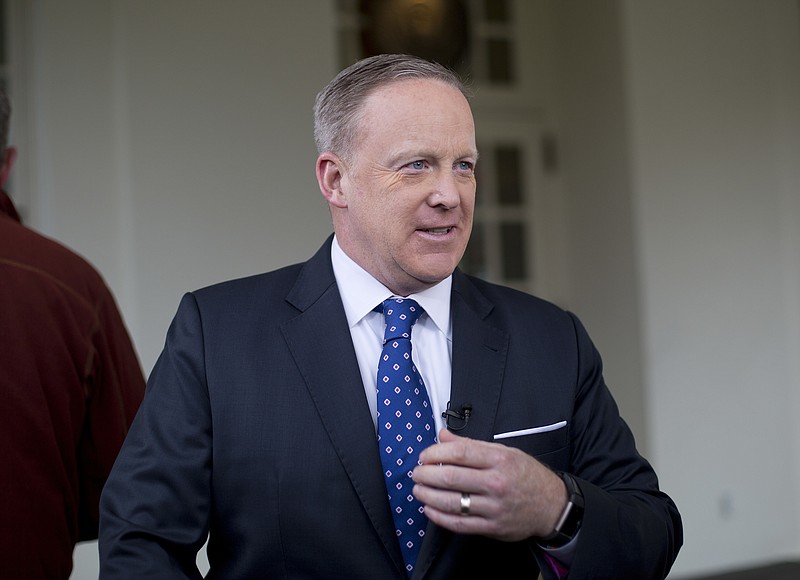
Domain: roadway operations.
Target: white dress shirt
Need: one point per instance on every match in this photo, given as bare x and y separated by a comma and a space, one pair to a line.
431, 336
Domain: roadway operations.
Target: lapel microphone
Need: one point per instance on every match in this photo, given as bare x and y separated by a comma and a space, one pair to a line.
460, 419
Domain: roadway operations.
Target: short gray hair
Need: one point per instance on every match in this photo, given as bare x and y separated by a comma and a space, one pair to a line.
338, 106
5, 116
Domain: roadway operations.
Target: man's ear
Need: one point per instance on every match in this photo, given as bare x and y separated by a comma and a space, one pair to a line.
6, 163
330, 174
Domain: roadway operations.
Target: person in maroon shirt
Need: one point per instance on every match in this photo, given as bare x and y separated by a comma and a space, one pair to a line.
70, 384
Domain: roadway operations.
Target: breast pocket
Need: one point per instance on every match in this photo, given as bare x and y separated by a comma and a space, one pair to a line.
548, 443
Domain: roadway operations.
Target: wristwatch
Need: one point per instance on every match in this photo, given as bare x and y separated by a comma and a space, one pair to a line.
569, 523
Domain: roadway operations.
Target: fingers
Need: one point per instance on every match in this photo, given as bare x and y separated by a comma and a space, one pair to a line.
450, 478
511, 495
487, 515
454, 467
446, 435
470, 524
446, 509
456, 503
457, 464
455, 450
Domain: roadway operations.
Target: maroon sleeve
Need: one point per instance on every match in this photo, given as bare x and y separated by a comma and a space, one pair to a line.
114, 389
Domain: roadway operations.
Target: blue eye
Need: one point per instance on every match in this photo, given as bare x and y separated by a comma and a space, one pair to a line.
465, 166
417, 165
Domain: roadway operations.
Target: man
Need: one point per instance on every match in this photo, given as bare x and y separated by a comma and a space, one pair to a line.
267, 424
70, 383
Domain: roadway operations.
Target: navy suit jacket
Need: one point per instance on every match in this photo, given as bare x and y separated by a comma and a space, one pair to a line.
255, 429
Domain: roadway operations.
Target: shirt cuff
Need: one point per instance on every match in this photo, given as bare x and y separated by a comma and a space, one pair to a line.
560, 559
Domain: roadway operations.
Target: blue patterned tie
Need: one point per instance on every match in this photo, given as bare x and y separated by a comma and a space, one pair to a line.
405, 424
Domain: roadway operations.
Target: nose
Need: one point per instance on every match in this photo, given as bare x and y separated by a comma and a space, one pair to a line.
446, 192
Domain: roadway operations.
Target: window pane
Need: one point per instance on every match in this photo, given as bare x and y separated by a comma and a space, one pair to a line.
474, 260
512, 243
499, 54
496, 10
509, 175
437, 31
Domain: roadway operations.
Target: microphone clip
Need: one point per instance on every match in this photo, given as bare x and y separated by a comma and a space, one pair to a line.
459, 420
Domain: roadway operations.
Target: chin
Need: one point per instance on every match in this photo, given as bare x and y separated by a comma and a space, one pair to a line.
435, 273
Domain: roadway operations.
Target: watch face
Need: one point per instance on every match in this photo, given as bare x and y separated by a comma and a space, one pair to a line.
436, 30
573, 521
570, 521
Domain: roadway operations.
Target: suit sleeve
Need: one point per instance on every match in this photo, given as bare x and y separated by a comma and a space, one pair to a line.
155, 505
630, 528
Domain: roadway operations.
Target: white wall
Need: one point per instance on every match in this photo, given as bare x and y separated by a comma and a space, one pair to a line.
680, 125
602, 270
714, 92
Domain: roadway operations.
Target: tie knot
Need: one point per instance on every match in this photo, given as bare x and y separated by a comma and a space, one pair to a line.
400, 315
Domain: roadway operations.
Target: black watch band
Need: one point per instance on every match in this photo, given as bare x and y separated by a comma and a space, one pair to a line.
570, 521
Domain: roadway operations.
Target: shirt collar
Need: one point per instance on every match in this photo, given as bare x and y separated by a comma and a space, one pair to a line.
361, 292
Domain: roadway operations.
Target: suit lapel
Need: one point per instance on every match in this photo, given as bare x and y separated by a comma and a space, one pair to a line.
479, 362
479, 358
329, 366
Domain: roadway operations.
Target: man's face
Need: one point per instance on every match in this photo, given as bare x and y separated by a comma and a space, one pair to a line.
409, 187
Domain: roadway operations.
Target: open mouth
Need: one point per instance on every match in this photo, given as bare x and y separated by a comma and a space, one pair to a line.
437, 231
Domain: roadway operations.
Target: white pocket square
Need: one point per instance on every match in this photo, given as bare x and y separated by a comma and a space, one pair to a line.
531, 431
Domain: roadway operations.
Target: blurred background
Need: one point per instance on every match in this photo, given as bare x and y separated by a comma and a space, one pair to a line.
640, 166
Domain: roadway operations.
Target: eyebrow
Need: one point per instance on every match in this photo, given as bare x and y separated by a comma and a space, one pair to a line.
401, 156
